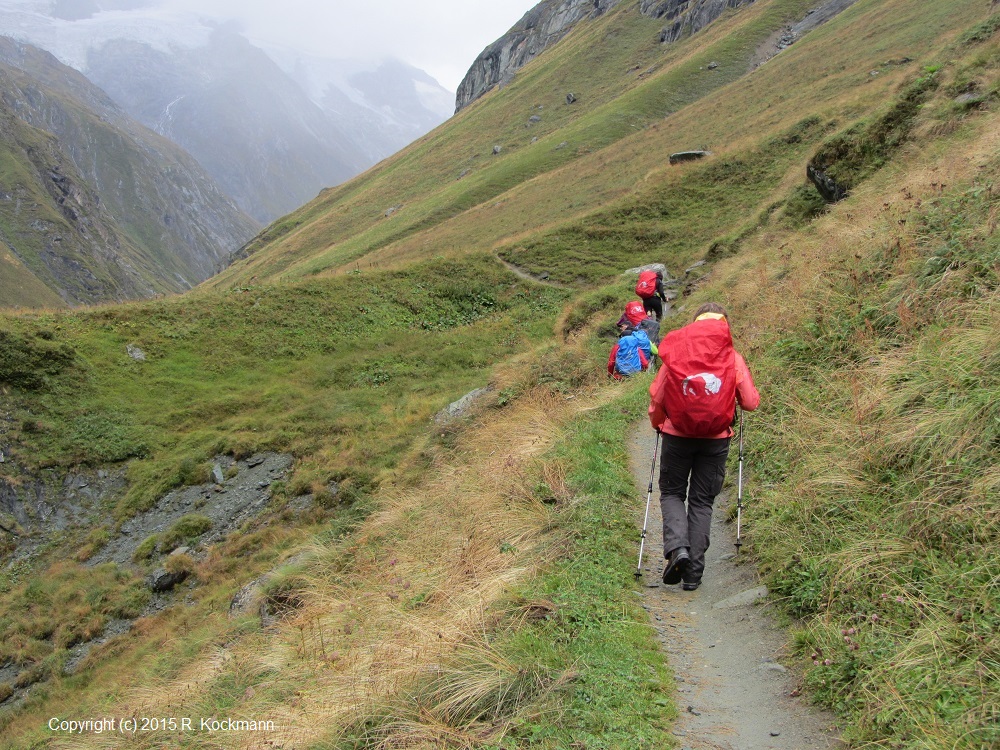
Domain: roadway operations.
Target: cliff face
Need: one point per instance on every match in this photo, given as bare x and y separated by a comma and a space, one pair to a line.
551, 20
543, 25
686, 17
58, 243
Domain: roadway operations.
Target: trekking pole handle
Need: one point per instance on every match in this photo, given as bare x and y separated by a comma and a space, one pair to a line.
741, 434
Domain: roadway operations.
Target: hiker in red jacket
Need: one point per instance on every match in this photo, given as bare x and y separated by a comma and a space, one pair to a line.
650, 288
692, 405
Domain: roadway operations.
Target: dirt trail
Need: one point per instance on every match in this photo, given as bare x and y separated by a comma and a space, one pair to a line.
724, 649
521, 273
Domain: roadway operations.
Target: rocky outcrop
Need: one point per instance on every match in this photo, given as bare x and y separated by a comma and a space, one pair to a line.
686, 17
541, 27
829, 188
684, 156
551, 20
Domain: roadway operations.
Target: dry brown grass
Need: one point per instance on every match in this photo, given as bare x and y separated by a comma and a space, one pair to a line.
411, 607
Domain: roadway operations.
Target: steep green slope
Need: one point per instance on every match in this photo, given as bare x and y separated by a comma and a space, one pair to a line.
593, 152
468, 583
164, 225
60, 235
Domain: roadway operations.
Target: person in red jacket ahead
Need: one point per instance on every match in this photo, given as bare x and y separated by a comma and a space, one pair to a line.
692, 406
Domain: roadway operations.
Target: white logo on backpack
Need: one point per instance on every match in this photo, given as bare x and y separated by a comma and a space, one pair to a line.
712, 384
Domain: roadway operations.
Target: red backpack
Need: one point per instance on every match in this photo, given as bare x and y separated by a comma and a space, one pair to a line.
697, 382
646, 286
635, 313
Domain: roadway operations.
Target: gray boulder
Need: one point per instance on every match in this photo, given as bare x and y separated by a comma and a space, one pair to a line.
162, 580
649, 267
683, 156
457, 408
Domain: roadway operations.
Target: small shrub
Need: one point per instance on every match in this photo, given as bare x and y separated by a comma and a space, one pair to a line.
191, 472
106, 438
147, 548
802, 585
96, 539
182, 563
187, 530
30, 363
283, 592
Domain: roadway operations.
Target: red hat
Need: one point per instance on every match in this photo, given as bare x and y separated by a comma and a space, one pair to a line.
635, 312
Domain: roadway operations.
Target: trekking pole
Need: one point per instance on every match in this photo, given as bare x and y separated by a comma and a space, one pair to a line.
739, 491
649, 494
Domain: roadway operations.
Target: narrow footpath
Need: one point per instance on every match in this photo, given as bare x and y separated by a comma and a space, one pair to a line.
723, 647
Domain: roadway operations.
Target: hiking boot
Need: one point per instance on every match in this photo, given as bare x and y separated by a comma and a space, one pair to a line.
676, 566
691, 585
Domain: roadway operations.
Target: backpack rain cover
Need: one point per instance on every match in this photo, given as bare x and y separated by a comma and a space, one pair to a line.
697, 383
646, 286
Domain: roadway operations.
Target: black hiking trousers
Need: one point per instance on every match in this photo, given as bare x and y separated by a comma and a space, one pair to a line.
653, 306
691, 474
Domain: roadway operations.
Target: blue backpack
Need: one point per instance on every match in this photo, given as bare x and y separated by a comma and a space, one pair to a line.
643, 338
627, 360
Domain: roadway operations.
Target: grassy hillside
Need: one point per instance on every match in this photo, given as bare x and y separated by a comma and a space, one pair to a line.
467, 582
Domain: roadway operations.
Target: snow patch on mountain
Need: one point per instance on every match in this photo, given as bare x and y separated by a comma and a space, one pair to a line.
70, 40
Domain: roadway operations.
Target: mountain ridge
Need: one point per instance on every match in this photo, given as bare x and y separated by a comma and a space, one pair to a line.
170, 225
548, 22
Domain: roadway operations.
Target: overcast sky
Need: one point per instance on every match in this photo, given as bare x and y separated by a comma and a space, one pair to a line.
442, 37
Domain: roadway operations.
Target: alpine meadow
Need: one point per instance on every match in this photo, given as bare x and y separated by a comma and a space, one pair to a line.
368, 486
